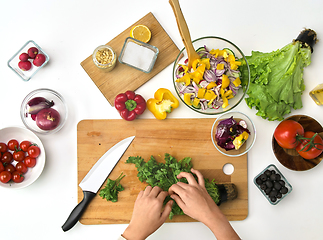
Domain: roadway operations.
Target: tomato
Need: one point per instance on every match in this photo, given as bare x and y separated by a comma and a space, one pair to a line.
9, 168
30, 162
5, 176
33, 151
21, 167
286, 133
24, 145
310, 151
6, 157
13, 144
17, 177
1, 167
3, 147
18, 156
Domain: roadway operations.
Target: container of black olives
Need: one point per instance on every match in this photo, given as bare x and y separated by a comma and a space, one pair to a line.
273, 184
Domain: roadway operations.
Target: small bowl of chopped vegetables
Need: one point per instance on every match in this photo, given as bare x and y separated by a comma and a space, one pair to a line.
214, 83
233, 134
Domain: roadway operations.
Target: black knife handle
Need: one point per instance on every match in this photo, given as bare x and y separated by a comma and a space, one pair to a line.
78, 211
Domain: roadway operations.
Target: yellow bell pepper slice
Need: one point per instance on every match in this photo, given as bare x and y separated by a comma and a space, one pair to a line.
237, 82
196, 102
201, 93
187, 98
225, 81
209, 95
186, 79
162, 103
240, 140
220, 66
211, 85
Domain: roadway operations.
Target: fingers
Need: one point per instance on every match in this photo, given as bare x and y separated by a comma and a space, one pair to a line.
167, 210
200, 177
189, 177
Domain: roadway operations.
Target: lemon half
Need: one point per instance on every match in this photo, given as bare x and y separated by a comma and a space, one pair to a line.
141, 33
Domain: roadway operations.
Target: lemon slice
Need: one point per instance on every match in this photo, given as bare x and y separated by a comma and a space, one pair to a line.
141, 33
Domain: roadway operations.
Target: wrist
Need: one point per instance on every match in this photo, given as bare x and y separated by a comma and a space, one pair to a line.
130, 233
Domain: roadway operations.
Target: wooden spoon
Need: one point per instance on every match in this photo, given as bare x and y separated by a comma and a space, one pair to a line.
185, 34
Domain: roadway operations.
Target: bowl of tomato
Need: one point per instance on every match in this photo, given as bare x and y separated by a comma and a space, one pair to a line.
297, 142
22, 157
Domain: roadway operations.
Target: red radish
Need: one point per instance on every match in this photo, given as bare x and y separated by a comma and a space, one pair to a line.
23, 57
25, 66
39, 60
32, 52
48, 119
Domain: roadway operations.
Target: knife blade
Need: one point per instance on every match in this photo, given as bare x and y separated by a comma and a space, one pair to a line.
94, 179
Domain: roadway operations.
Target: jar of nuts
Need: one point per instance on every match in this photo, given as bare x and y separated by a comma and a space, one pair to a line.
104, 57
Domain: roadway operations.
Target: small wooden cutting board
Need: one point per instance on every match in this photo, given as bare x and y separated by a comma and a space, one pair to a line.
178, 137
122, 77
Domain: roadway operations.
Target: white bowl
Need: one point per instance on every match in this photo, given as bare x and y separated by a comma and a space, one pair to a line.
247, 145
21, 134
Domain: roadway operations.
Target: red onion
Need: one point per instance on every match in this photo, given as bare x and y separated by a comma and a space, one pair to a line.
38, 103
48, 119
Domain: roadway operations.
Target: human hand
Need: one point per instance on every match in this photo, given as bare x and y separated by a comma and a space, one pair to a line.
193, 198
195, 202
147, 214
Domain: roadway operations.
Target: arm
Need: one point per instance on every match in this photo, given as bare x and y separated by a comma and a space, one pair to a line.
147, 214
195, 201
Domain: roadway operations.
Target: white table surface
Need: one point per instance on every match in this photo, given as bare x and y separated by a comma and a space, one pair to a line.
70, 30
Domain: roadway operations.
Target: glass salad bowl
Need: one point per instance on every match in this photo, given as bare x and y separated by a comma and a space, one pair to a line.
202, 90
240, 119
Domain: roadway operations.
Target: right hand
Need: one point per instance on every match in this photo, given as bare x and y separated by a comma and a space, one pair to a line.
193, 198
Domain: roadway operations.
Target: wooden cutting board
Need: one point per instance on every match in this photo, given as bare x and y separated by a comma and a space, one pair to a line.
178, 137
122, 77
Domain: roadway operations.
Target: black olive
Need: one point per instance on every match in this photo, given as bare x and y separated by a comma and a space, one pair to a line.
273, 199
263, 177
259, 181
273, 177
284, 190
277, 185
268, 172
279, 195
267, 191
277, 177
263, 186
273, 193
282, 183
273, 172
269, 184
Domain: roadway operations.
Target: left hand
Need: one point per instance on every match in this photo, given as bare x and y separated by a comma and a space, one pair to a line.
147, 214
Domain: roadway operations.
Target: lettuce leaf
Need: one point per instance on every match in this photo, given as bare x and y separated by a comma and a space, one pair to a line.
276, 80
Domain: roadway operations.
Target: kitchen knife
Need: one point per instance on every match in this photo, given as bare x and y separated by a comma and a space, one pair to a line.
94, 179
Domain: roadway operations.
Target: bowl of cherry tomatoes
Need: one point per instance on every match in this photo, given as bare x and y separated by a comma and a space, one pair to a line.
22, 157
298, 142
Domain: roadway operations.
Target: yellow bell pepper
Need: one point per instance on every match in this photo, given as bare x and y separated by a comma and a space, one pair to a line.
186, 79
237, 82
240, 140
225, 81
187, 98
201, 92
162, 103
211, 85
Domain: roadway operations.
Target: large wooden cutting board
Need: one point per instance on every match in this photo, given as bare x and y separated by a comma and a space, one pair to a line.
178, 137
122, 77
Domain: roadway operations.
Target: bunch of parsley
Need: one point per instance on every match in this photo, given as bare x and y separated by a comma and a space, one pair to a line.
112, 188
164, 175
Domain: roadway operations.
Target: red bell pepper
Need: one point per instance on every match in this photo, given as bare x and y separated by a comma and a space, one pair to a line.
130, 105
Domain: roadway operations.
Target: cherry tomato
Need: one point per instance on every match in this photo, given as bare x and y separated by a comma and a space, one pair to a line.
24, 145
5, 176
3, 147
1, 167
13, 144
6, 157
310, 152
21, 167
17, 177
18, 156
30, 162
9, 168
286, 133
33, 151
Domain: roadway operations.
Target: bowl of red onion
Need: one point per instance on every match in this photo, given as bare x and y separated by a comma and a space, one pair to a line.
44, 111
233, 134
214, 83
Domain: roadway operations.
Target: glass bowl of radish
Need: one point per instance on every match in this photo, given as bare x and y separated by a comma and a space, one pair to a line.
233, 134
213, 84
44, 111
